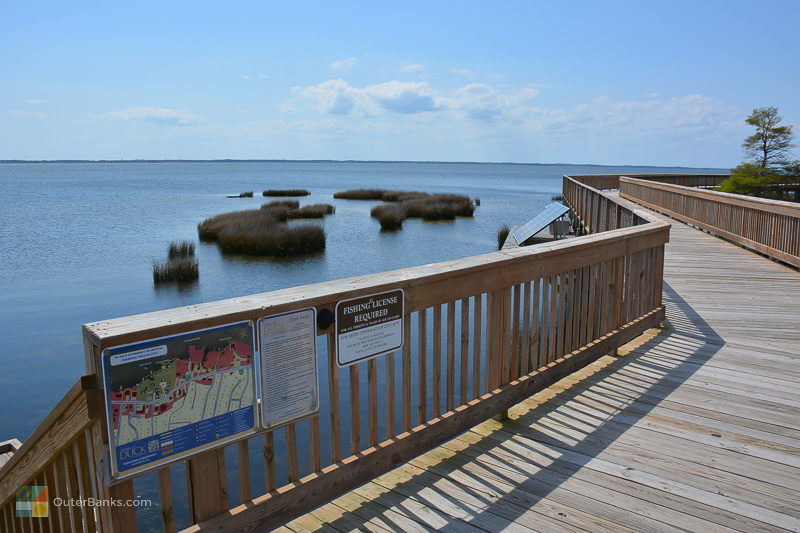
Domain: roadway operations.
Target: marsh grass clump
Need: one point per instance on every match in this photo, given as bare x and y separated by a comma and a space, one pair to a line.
285, 192
181, 249
439, 207
361, 194
311, 211
211, 228
291, 204
182, 270
260, 232
402, 196
502, 235
390, 216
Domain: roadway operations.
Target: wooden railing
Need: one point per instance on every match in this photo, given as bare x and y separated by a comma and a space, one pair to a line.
611, 181
481, 334
771, 227
58, 454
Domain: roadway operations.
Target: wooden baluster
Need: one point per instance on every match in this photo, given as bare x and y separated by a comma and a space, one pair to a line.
269, 461
81, 476
243, 460
464, 372
617, 291
505, 340
165, 498
515, 333
525, 356
68, 470
536, 327
390, 393
355, 411
333, 401
552, 330
437, 360
451, 355
562, 313
422, 363
208, 492
372, 382
477, 302
407, 372
291, 452
315, 445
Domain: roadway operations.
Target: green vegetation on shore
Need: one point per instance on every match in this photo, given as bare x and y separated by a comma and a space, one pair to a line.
248, 194
770, 173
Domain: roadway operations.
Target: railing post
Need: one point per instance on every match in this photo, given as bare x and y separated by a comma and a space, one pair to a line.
205, 480
123, 519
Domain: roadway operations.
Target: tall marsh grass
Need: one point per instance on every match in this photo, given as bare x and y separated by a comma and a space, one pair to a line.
502, 235
260, 232
285, 192
182, 270
181, 249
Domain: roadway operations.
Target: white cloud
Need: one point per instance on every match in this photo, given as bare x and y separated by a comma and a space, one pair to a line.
474, 101
254, 76
156, 115
478, 111
487, 103
35, 101
412, 67
344, 65
464, 73
24, 113
337, 97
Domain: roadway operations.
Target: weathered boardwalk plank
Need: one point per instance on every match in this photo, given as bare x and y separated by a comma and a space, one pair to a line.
695, 428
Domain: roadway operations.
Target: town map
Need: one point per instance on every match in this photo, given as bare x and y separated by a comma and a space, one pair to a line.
173, 396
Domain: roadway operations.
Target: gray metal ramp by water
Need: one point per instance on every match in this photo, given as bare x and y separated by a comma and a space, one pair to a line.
550, 213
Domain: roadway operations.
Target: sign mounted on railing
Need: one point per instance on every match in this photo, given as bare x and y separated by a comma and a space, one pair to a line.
288, 351
176, 396
368, 326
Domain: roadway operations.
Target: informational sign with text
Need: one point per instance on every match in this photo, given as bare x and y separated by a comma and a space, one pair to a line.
288, 351
368, 326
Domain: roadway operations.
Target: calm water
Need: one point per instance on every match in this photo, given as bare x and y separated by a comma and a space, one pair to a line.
77, 242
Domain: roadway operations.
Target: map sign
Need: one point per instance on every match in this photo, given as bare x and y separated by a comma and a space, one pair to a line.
368, 326
289, 386
172, 397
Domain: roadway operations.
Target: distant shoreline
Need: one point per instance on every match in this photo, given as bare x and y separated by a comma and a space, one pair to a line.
307, 161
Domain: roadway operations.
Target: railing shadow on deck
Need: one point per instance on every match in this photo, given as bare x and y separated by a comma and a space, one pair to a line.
686, 336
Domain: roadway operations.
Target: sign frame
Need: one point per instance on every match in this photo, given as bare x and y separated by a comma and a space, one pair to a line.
337, 336
262, 418
113, 472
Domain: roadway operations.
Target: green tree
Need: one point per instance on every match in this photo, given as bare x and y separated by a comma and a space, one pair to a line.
770, 144
769, 170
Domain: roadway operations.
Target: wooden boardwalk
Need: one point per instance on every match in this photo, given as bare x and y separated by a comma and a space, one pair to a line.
695, 428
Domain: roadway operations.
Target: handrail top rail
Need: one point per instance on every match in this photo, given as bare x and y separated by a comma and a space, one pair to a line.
648, 175
645, 215
775, 206
132, 328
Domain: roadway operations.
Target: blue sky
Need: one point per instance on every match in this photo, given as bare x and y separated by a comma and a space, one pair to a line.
641, 83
